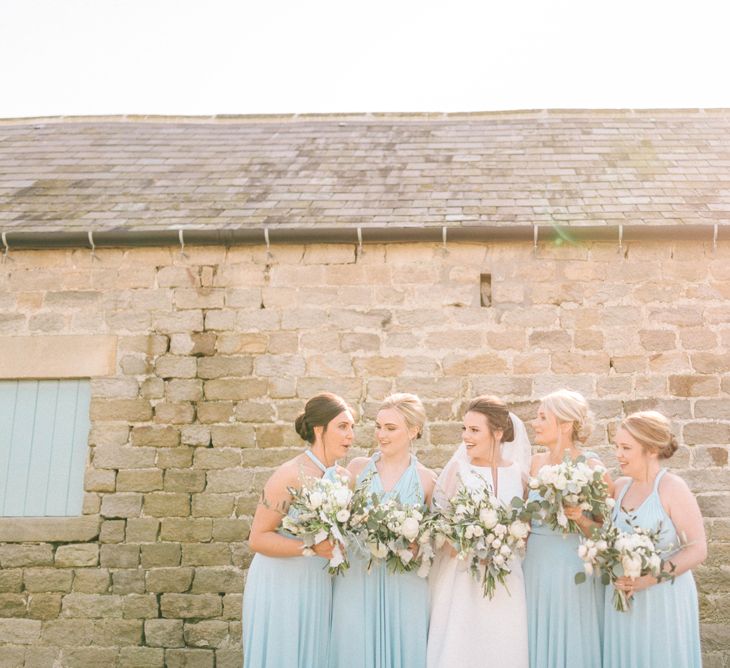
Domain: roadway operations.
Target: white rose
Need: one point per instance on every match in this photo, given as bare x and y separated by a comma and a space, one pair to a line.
505, 551
410, 528
582, 551
498, 560
469, 532
343, 515
610, 502
337, 557
342, 496
316, 499
378, 550
496, 543
534, 483
405, 556
519, 530
500, 530
631, 566
560, 483
478, 531
655, 563
488, 517
588, 568
601, 545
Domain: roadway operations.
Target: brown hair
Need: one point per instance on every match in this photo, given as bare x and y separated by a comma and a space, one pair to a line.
410, 407
319, 411
652, 431
495, 410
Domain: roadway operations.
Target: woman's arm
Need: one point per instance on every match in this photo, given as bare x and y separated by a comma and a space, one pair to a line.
272, 507
682, 508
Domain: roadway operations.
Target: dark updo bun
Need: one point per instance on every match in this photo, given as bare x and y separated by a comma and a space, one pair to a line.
497, 414
653, 432
319, 411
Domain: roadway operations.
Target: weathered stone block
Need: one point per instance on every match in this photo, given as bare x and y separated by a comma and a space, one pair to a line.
224, 580
694, 386
225, 366
212, 505
250, 411
25, 555
232, 606
11, 580
51, 529
123, 457
174, 413
203, 297
276, 436
175, 366
126, 410
12, 656
152, 388
211, 633
229, 480
184, 480
184, 389
91, 605
179, 321
210, 458
13, 605
706, 433
175, 457
214, 411
119, 556
164, 632
163, 580
140, 606
187, 530
142, 529
196, 435
128, 581
123, 504
99, 480
141, 657
44, 606
112, 531
67, 632
187, 606
229, 343
47, 579
81, 554
212, 554
139, 480
91, 581
233, 435
714, 504
189, 658
116, 632
235, 389
161, 554
155, 437
167, 504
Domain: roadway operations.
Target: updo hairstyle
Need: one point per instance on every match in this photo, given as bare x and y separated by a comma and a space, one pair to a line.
653, 432
495, 410
570, 406
319, 411
410, 407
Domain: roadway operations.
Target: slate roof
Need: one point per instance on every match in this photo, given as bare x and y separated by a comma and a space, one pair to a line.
600, 167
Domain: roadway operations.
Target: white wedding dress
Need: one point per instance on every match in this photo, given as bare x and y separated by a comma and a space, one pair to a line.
467, 629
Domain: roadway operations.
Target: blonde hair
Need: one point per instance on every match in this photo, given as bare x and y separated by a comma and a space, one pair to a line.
410, 407
652, 431
570, 406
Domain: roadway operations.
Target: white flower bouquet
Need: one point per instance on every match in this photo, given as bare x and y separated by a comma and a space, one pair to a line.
320, 510
615, 553
569, 484
387, 530
485, 533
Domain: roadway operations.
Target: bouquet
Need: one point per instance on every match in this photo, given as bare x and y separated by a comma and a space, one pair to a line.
569, 483
485, 533
615, 553
387, 530
320, 510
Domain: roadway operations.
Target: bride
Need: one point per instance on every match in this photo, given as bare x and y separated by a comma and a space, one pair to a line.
467, 629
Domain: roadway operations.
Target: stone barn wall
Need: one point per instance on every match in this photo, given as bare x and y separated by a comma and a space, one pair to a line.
217, 350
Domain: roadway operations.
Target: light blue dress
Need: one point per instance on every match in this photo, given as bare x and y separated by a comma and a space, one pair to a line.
380, 619
662, 628
564, 620
287, 605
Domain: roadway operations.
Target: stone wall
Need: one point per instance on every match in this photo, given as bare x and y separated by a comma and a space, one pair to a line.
218, 349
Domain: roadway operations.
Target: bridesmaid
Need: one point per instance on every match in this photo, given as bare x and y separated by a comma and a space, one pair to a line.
564, 621
662, 628
380, 619
287, 601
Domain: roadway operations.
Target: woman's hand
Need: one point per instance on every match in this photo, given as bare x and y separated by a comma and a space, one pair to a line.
574, 513
632, 585
324, 549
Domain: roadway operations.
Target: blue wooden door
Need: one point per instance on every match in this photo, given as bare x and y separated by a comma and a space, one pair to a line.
44, 429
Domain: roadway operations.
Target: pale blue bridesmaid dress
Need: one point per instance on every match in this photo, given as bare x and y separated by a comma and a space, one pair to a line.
662, 628
564, 620
380, 619
287, 604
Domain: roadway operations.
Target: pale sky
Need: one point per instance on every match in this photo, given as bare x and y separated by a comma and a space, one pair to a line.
203, 57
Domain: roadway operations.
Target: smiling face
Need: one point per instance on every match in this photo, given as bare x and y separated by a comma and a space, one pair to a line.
479, 439
546, 427
392, 432
632, 458
338, 436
